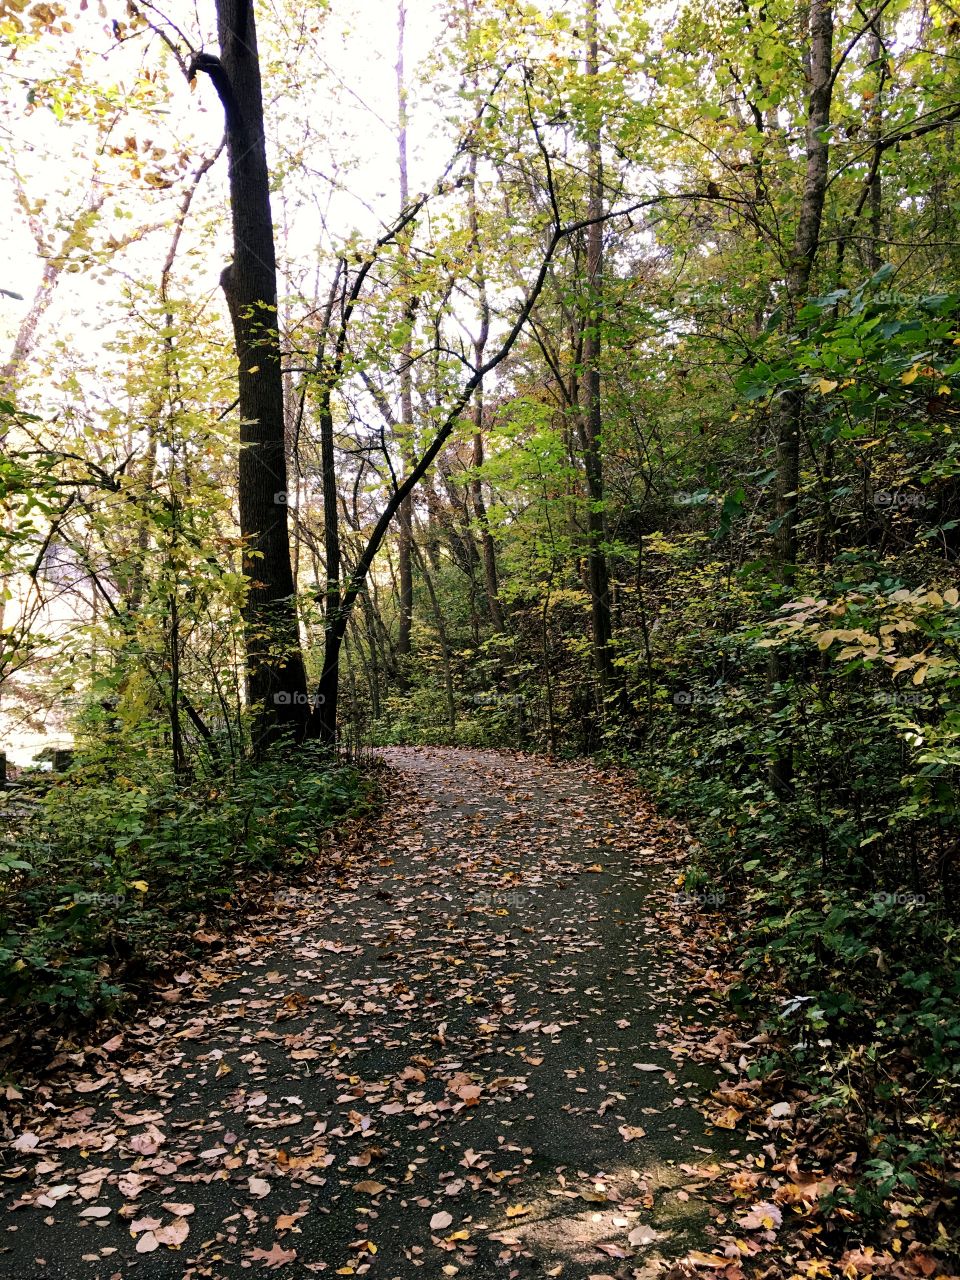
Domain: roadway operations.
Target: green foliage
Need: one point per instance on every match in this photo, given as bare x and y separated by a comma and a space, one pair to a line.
108, 867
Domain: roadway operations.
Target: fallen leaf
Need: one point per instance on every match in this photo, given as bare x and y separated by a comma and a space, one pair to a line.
630, 1131
174, 1233
276, 1256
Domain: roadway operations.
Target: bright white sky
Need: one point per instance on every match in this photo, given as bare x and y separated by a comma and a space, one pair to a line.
347, 98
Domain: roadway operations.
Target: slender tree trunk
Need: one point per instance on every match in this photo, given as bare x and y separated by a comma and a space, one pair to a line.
591, 421
276, 680
876, 128
325, 721
799, 270
405, 514
445, 653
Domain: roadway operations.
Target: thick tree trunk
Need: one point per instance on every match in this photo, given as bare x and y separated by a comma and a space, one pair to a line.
276, 681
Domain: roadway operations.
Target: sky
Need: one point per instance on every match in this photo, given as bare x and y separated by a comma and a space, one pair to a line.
346, 94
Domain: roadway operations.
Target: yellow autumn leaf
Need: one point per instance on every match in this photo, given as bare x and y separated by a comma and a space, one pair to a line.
727, 1119
951, 596
517, 1210
825, 385
910, 376
140, 885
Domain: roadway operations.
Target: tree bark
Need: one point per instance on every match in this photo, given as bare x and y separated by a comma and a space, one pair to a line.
405, 515
591, 420
799, 270
276, 679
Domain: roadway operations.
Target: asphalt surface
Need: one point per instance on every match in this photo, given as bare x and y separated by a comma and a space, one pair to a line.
440, 1058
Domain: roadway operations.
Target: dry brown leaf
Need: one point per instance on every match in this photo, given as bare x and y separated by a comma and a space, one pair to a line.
275, 1256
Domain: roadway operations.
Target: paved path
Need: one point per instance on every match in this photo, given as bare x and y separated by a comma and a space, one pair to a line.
440, 1059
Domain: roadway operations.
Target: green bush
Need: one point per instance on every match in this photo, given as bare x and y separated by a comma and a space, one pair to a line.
102, 872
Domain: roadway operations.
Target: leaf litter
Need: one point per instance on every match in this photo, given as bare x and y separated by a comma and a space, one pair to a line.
465, 1011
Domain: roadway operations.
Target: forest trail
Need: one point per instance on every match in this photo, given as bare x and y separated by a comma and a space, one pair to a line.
442, 1058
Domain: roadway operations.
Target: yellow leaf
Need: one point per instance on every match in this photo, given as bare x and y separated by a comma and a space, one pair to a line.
825, 385
951, 596
254, 368
910, 376
140, 885
517, 1210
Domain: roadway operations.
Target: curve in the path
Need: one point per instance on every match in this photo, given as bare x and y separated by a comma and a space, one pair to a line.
440, 1059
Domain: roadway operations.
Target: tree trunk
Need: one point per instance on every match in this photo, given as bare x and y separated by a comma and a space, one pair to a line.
276, 680
405, 514
591, 422
799, 271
